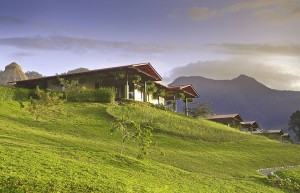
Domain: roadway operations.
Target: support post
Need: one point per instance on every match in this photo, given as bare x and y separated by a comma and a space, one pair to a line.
186, 107
145, 92
175, 104
126, 87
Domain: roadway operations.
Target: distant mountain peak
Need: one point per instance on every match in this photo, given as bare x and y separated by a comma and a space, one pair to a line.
244, 80
244, 77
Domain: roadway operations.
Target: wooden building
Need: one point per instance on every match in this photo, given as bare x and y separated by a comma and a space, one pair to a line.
250, 126
230, 120
122, 78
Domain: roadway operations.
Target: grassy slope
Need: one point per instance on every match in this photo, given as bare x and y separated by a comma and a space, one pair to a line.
293, 174
76, 152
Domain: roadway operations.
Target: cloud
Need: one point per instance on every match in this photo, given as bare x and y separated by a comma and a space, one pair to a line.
272, 10
271, 75
11, 20
256, 49
21, 54
274, 65
202, 13
81, 45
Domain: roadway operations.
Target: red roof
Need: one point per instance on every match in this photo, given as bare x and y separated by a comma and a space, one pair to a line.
226, 116
253, 124
144, 68
187, 89
147, 69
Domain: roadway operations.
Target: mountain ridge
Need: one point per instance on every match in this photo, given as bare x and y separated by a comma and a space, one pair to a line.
246, 96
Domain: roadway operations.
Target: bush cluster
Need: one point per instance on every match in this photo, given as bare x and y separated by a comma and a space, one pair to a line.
21, 94
101, 95
286, 184
6, 94
10, 94
161, 107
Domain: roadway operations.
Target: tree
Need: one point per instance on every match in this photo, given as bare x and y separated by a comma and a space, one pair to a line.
120, 76
135, 132
69, 85
137, 79
78, 70
33, 74
160, 93
200, 109
143, 136
294, 123
49, 103
126, 135
151, 88
180, 96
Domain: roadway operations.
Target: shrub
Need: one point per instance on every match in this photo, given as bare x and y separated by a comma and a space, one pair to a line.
69, 86
21, 94
48, 103
105, 95
33, 94
286, 184
101, 95
130, 102
6, 94
161, 107
17, 94
200, 109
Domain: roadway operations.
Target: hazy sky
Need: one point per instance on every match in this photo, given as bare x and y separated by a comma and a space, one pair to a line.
218, 39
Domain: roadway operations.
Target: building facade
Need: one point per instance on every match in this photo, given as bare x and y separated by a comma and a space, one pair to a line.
132, 82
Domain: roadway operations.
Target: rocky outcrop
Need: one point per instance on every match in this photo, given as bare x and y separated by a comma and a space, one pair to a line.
12, 72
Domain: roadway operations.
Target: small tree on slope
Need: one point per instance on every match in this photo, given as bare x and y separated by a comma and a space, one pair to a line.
48, 104
135, 132
69, 85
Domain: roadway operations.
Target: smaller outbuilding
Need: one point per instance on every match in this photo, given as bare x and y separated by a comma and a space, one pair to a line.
250, 126
286, 137
271, 133
230, 120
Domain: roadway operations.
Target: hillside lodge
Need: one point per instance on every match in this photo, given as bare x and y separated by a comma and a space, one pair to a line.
121, 78
124, 80
234, 120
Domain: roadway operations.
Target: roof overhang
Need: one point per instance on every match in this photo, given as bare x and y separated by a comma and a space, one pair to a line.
148, 70
187, 90
145, 69
270, 131
235, 117
252, 124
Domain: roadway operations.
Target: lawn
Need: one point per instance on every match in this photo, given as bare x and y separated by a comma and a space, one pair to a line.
75, 152
293, 174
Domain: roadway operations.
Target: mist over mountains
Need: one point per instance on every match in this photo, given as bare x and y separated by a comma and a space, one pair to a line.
246, 96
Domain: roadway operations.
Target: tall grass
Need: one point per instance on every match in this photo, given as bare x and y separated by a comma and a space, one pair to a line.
293, 174
178, 125
6, 94
75, 152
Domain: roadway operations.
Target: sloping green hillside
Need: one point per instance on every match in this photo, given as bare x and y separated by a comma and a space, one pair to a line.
75, 152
